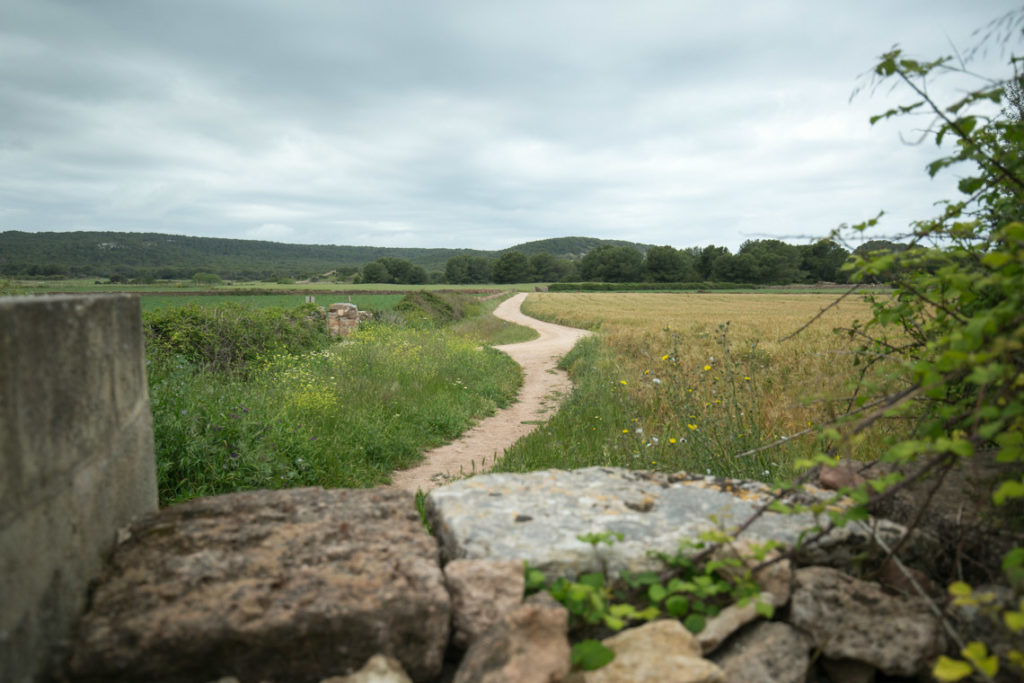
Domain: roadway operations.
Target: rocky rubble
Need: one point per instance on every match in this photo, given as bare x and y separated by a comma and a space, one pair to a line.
346, 586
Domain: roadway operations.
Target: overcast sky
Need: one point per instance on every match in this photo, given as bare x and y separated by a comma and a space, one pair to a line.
464, 124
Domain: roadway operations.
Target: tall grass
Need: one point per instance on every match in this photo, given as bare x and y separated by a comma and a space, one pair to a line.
342, 416
688, 381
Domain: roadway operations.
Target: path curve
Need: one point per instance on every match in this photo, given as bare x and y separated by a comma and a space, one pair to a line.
543, 388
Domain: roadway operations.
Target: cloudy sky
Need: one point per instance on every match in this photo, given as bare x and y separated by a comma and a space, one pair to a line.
477, 124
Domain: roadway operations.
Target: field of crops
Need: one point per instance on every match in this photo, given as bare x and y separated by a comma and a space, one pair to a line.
687, 381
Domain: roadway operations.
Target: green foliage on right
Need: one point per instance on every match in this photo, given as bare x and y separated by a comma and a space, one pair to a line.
951, 334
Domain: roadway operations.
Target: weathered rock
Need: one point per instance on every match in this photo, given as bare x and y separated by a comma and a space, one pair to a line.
658, 651
848, 670
481, 592
766, 652
528, 644
378, 669
537, 517
844, 474
854, 619
292, 585
728, 621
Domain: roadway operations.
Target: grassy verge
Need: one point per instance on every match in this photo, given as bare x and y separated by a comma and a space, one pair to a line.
687, 382
266, 414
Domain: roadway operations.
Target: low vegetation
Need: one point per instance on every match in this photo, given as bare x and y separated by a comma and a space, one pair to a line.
261, 398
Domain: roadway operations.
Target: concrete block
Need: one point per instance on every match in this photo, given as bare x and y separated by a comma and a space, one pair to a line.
76, 461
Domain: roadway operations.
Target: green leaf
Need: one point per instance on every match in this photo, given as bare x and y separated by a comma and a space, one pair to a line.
1014, 621
592, 579
677, 606
656, 593
977, 654
694, 623
959, 589
1007, 490
589, 655
948, 670
765, 609
970, 185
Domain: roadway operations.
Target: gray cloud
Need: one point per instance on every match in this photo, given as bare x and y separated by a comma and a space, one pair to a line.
460, 123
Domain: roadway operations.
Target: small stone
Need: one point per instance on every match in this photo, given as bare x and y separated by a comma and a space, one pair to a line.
482, 591
378, 669
529, 644
658, 651
728, 621
766, 652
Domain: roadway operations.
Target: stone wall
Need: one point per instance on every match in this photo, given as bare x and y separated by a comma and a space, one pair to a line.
76, 461
342, 319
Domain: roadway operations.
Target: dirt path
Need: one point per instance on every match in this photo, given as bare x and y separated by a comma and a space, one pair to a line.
543, 388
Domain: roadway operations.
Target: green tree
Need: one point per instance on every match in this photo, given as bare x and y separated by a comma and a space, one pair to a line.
823, 261
668, 264
547, 268
464, 269
511, 267
609, 263
375, 271
707, 258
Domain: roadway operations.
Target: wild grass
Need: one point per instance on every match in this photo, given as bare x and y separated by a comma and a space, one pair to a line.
343, 417
484, 328
688, 381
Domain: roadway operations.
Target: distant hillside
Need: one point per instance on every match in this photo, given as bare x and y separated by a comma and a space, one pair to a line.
155, 255
572, 248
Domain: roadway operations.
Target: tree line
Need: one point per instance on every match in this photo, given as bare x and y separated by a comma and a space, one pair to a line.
763, 262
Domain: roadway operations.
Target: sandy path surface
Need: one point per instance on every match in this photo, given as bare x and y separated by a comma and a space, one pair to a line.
543, 387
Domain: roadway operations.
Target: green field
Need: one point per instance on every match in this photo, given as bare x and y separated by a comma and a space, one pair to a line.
82, 286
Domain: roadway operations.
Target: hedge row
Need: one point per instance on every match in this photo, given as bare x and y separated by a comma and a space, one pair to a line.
645, 286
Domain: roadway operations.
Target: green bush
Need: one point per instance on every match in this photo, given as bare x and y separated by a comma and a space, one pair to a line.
229, 337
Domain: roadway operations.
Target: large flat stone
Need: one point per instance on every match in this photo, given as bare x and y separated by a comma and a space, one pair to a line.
293, 585
538, 516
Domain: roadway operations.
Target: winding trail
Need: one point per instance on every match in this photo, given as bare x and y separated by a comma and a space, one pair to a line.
543, 388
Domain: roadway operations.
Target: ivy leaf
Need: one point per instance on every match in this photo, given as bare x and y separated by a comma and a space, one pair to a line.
1014, 621
948, 670
694, 623
765, 609
590, 654
656, 593
1007, 490
677, 606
